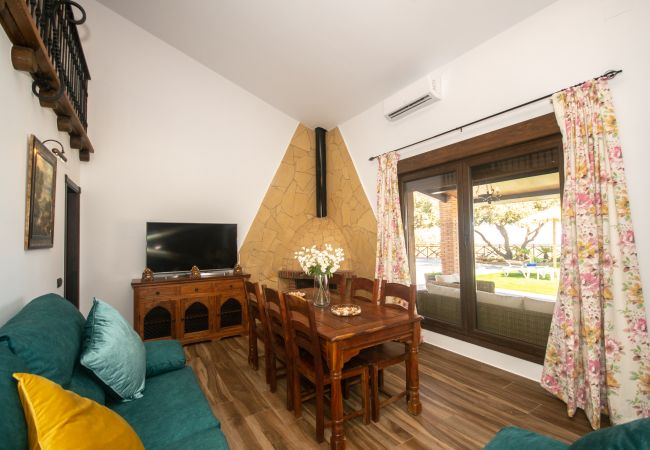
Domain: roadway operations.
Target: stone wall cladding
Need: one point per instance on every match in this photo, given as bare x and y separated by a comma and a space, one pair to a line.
286, 219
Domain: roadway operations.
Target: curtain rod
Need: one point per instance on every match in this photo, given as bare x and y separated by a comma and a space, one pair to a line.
609, 75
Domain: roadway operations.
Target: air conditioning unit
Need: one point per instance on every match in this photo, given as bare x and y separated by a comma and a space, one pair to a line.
413, 97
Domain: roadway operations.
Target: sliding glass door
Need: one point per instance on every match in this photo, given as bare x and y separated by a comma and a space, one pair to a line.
483, 235
433, 234
516, 209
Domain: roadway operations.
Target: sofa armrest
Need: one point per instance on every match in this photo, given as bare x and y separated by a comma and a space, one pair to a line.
164, 356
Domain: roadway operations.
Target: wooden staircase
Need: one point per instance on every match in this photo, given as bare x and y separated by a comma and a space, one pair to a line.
46, 44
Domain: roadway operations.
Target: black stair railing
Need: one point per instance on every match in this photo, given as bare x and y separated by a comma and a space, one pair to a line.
57, 25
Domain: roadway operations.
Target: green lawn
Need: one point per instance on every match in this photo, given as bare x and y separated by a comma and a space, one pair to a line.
517, 282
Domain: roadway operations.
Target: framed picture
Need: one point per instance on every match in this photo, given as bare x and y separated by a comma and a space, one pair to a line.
41, 193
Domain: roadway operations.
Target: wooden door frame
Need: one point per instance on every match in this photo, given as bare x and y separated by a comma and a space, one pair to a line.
522, 138
518, 133
71, 187
455, 167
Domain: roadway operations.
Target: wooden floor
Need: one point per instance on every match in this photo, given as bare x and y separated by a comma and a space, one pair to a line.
464, 403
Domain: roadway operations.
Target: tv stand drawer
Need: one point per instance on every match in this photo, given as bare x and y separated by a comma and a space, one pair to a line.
229, 285
158, 291
198, 288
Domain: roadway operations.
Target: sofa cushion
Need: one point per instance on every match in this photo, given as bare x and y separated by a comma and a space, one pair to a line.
84, 383
507, 301
60, 419
164, 356
210, 439
172, 409
540, 306
113, 351
510, 438
46, 334
631, 435
451, 278
13, 430
444, 291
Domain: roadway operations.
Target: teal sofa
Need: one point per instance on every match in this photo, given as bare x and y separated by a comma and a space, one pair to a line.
629, 436
45, 338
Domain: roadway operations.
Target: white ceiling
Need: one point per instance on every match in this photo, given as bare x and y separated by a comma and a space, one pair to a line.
324, 61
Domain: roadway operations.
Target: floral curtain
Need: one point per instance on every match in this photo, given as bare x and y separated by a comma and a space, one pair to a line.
598, 356
392, 260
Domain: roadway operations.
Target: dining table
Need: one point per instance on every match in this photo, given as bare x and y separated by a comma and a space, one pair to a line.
342, 338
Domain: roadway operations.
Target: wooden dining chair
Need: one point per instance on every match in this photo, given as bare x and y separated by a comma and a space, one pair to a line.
309, 363
279, 341
338, 284
365, 289
389, 353
257, 328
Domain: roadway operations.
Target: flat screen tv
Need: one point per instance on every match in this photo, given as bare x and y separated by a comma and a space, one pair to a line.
176, 247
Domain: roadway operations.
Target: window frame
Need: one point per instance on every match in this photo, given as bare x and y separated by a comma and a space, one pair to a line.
541, 133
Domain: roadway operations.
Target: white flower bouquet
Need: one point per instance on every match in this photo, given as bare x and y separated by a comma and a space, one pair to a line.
320, 262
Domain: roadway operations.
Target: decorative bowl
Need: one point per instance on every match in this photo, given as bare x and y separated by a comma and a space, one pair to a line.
346, 310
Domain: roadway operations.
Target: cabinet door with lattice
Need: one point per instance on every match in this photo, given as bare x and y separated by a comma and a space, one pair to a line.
196, 318
231, 314
157, 319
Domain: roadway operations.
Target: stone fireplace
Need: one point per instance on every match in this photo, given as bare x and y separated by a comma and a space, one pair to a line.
286, 220
291, 280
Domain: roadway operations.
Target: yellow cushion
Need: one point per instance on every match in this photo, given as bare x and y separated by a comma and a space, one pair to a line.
60, 419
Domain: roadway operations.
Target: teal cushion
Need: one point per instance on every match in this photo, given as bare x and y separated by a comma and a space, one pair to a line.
631, 435
113, 351
517, 438
46, 334
13, 430
211, 439
164, 356
173, 409
84, 383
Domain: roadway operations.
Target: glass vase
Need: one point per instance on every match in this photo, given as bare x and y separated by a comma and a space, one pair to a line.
321, 291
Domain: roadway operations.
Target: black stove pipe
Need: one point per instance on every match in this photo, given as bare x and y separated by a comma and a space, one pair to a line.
321, 173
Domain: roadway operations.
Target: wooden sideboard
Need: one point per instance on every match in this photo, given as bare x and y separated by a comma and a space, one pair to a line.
190, 309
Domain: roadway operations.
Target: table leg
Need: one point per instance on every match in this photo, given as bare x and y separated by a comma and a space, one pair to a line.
337, 440
413, 377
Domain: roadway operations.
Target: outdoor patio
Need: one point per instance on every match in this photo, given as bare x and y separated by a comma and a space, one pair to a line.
540, 283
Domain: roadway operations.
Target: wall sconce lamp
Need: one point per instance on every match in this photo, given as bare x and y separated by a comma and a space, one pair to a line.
56, 151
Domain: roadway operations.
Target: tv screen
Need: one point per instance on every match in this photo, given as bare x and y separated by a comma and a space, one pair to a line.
176, 247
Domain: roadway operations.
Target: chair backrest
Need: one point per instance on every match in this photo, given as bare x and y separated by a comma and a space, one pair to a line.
405, 296
256, 304
304, 335
276, 321
365, 289
340, 282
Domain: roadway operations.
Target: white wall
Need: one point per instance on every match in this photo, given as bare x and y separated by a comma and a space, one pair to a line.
568, 42
26, 274
174, 142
